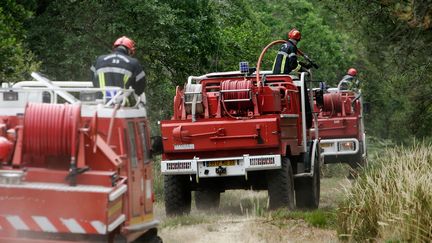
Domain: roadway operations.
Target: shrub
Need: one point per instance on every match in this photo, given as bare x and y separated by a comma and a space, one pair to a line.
392, 200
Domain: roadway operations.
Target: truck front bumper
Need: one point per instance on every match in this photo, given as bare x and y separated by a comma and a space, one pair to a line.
345, 150
218, 167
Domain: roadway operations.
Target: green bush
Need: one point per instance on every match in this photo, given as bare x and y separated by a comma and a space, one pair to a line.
392, 200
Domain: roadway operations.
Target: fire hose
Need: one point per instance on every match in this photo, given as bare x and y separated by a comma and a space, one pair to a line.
52, 130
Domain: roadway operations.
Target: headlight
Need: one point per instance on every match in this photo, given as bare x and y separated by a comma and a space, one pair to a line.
346, 146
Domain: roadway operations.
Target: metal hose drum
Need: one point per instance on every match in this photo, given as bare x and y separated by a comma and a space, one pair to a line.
332, 102
51, 129
237, 94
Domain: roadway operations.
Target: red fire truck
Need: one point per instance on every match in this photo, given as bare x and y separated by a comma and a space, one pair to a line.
341, 126
245, 129
74, 167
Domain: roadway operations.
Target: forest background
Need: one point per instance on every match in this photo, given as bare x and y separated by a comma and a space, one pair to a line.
387, 41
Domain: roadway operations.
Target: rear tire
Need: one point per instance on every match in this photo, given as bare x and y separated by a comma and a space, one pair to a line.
177, 195
281, 186
307, 189
205, 200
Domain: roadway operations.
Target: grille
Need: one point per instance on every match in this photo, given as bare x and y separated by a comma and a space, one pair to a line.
179, 166
262, 161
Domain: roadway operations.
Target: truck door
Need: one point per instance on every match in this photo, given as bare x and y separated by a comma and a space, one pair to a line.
143, 130
136, 182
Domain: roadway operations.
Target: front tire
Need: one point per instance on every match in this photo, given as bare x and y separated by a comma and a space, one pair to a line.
307, 189
281, 186
177, 195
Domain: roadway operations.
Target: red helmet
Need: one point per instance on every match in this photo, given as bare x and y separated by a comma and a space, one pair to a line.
294, 34
128, 43
352, 72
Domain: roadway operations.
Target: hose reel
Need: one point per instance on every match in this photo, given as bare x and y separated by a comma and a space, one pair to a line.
193, 100
334, 103
237, 94
51, 129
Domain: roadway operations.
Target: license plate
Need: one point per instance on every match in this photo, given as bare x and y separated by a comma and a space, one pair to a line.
221, 163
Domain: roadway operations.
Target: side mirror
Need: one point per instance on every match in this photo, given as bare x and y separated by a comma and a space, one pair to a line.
156, 145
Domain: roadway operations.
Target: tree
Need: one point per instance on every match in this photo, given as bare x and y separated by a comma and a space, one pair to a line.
394, 52
17, 60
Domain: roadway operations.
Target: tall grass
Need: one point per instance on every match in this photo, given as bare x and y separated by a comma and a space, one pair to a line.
157, 179
392, 200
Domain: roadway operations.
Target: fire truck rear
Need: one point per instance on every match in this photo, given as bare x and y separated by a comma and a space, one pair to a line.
341, 126
73, 169
240, 130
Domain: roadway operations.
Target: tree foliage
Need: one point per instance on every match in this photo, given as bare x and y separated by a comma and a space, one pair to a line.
16, 59
386, 40
395, 61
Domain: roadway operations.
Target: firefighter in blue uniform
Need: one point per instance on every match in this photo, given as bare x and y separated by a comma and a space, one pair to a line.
119, 68
286, 59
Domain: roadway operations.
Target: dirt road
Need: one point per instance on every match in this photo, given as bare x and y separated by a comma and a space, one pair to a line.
243, 217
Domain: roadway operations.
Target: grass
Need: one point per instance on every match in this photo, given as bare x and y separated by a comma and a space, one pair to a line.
392, 200
321, 218
334, 170
183, 220
244, 202
157, 179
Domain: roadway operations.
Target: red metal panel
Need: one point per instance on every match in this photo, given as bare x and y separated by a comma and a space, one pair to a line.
336, 127
100, 178
270, 100
218, 134
67, 204
56, 208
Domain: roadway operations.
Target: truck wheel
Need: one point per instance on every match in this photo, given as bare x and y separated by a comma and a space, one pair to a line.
205, 200
177, 195
307, 189
281, 186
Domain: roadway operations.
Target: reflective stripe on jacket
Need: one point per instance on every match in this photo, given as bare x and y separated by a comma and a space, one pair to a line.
120, 70
286, 59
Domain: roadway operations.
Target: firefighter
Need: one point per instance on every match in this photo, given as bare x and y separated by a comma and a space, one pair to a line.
119, 68
286, 59
349, 81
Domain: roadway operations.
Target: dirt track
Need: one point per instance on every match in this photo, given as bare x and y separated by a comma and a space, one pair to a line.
242, 218
247, 230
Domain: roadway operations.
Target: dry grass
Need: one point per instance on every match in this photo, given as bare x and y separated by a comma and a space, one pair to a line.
392, 200
157, 179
